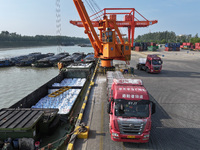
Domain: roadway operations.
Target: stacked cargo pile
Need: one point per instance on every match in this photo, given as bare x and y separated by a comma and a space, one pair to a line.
172, 47
141, 46
144, 46
197, 46
137, 47
152, 47
110, 75
64, 101
187, 46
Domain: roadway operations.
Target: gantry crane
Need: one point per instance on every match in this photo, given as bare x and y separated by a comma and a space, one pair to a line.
109, 45
129, 21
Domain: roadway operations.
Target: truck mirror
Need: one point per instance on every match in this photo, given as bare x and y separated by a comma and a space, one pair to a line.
153, 108
109, 107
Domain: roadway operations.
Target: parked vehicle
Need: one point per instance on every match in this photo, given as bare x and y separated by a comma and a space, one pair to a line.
130, 110
151, 64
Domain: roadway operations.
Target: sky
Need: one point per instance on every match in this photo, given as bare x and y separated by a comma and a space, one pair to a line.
38, 17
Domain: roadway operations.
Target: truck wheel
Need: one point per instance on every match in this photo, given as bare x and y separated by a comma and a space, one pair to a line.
140, 68
147, 70
108, 107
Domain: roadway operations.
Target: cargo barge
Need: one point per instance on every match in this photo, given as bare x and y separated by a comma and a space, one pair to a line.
50, 61
6, 63
32, 122
75, 57
32, 58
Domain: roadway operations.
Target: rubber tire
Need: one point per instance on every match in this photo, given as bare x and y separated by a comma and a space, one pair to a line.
147, 70
140, 68
108, 107
137, 67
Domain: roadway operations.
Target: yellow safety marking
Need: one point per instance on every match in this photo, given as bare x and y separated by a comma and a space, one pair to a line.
102, 117
60, 91
83, 106
80, 116
84, 135
91, 83
70, 146
123, 148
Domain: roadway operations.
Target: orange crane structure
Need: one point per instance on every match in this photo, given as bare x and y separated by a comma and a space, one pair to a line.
129, 21
109, 45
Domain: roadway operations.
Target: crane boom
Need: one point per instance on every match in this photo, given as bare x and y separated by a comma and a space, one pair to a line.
89, 28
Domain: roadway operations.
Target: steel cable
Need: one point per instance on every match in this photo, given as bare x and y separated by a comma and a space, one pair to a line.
91, 6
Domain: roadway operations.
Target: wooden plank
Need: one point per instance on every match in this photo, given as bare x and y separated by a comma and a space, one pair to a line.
13, 120
8, 118
18, 121
34, 119
27, 119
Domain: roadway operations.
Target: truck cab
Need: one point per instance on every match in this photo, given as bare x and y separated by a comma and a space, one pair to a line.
130, 111
151, 64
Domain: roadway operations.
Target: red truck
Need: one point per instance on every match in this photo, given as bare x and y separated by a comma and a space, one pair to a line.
151, 64
130, 111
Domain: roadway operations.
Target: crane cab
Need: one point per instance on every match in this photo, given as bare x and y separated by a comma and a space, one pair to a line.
111, 49
108, 39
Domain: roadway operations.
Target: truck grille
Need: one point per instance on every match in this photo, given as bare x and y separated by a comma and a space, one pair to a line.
133, 128
156, 68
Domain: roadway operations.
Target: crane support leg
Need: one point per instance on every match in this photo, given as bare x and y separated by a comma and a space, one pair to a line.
132, 34
106, 62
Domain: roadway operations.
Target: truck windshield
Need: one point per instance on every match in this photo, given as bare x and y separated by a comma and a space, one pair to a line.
156, 62
127, 108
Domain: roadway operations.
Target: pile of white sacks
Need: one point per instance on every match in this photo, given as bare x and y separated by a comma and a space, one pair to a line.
64, 101
71, 82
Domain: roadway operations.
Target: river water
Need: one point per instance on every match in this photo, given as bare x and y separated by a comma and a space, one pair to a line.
18, 82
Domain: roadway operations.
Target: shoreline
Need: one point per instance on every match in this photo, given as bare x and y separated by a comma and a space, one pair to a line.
23, 47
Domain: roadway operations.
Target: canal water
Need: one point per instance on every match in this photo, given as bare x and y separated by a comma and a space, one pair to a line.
18, 82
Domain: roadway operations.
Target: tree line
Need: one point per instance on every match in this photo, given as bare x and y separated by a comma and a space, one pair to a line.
167, 37
16, 40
